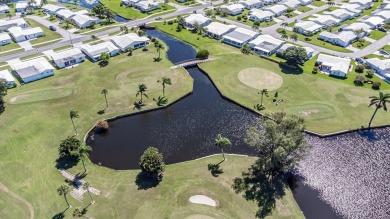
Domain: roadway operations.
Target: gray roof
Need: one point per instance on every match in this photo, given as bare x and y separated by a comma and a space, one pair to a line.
267, 46
27, 72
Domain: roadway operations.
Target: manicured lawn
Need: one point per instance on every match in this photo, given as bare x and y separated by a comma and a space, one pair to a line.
376, 34
131, 13
328, 104
365, 44
375, 56
387, 48
62, 48
49, 35
304, 9
187, 3
318, 3
12, 45
11, 207
31, 56
316, 41
103, 25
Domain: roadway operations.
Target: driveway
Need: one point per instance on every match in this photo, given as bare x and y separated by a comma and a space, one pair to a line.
65, 34
26, 45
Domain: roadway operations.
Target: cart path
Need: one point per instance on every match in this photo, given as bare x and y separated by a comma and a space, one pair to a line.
24, 201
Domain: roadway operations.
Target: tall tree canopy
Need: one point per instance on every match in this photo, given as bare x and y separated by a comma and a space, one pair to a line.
69, 146
295, 55
152, 162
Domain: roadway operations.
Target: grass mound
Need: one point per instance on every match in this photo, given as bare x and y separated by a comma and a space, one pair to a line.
259, 78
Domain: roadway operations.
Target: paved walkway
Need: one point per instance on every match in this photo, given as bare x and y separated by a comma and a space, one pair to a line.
26, 45
78, 190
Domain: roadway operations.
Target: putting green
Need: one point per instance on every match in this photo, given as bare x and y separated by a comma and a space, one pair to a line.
312, 111
259, 78
40, 95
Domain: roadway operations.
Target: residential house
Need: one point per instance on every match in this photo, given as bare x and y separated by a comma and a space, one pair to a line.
265, 45
68, 57
374, 21
292, 4
385, 15
258, 15
6, 24
64, 13
146, 6
7, 77
327, 21
4, 9
341, 14
306, 27
356, 8
218, 30
132, 2
250, 4
196, 19
130, 40
239, 37
51, 9
84, 21
33, 69
381, 67
365, 3
20, 34
21, 6
278, 10
94, 51
306, 2
335, 66
4, 39
356, 26
233, 9
268, 2
343, 39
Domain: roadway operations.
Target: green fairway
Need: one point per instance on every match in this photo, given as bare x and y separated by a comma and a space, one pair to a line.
11, 207
131, 13
328, 104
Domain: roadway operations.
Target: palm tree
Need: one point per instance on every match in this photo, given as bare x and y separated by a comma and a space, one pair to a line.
263, 92
105, 92
165, 80
284, 25
67, 21
78, 212
86, 186
73, 114
294, 37
141, 91
159, 47
379, 102
130, 52
83, 154
161, 101
284, 36
222, 143
63, 190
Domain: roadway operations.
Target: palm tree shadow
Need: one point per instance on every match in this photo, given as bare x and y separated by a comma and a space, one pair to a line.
60, 215
145, 182
215, 169
369, 134
66, 162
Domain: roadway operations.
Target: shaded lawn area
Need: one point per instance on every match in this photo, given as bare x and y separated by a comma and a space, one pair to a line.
316, 41
328, 104
376, 34
304, 9
130, 12
49, 35
318, 3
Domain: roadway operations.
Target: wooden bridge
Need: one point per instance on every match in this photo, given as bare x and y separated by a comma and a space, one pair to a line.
190, 62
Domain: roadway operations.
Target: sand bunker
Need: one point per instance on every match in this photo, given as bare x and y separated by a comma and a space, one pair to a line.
259, 78
202, 199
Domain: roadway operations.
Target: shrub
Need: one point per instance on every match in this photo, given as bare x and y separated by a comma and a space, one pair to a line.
370, 73
202, 54
170, 22
359, 68
359, 80
315, 70
102, 125
376, 85
238, 18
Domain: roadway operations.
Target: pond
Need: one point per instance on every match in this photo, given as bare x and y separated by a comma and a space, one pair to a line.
347, 174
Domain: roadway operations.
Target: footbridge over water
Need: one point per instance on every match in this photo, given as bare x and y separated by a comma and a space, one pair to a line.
190, 62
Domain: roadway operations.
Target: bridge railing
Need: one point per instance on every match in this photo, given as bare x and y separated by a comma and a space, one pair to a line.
188, 60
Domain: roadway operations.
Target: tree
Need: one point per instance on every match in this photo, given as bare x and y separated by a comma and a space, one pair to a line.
3, 92
165, 80
295, 55
78, 212
225, 1
83, 154
159, 47
284, 25
289, 10
152, 163
209, 13
281, 144
52, 17
379, 102
359, 68
222, 143
255, 27
284, 36
203, 54
104, 58
69, 146
99, 10
73, 115
63, 190
67, 22
130, 52
359, 80
376, 85
294, 37
86, 186
110, 15
105, 92
161, 101
142, 91
246, 49
103, 124
263, 92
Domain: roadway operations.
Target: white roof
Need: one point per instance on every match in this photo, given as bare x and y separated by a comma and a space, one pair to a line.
13, 22
383, 65
52, 8
261, 14
240, 35
97, 49
266, 42
324, 19
196, 18
124, 41
21, 4
358, 26
249, 2
219, 28
308, 25
341, 13
6, 75
18, 31
352, 7
292, 3
81, 19
345, 36
276, 9
66, 13
336, 63
374, 20
233, 7
305, 1
384, 14
146, 4
4, 7
361, 1
70, 53
81, 12
4, 36
31, 67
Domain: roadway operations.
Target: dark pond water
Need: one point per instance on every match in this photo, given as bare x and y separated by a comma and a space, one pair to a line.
186, 130
89, 4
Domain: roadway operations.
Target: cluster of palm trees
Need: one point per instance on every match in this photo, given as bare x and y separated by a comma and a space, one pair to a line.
142, 89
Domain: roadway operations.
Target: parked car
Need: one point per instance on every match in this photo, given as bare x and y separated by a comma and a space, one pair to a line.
158, 18
52, 28
384, 52
360, 60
